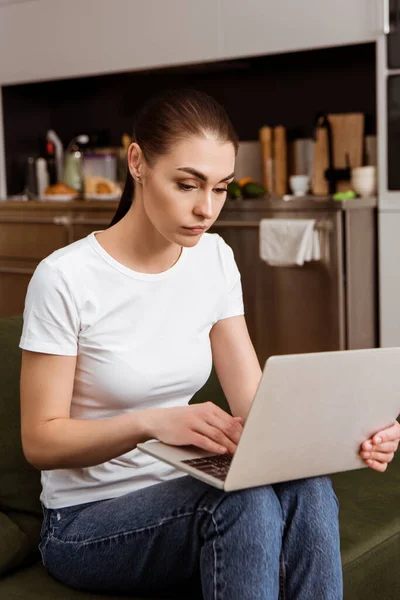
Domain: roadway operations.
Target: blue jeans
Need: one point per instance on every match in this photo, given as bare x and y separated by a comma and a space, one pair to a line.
169, 539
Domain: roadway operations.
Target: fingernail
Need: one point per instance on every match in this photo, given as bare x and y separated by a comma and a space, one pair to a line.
378, 440
367, 454
368, 446
369, 462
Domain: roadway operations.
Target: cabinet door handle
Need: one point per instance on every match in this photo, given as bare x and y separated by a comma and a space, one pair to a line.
386, 16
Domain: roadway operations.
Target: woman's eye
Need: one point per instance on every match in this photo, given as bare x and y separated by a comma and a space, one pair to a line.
186, 187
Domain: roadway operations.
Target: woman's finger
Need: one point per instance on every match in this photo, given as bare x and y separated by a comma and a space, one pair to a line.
383, 457
215, 435
231, 428
204, 442
386, 447
377, 466
387, 435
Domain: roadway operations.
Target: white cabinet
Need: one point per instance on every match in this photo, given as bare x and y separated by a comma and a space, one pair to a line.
389, 279
54, 39
253, 27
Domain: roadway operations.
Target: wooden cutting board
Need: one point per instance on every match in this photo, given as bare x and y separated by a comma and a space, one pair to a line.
348, 138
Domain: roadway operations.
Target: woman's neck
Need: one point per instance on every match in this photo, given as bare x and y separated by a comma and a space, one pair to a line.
135, 243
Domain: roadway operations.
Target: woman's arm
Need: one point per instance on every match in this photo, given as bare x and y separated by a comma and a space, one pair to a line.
52, 440
236, 363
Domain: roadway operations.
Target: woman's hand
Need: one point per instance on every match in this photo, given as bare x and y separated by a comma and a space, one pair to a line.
379, 450
204, 425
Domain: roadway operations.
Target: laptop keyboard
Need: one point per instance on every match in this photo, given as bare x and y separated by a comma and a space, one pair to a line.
216, 465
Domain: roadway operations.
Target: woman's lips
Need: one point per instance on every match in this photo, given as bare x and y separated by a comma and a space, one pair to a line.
195, 230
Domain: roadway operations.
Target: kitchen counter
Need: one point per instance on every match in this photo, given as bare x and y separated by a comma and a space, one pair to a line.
276, 203
342, 308
59, 205
314, 203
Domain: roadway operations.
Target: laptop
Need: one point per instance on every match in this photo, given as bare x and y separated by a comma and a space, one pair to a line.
309, 416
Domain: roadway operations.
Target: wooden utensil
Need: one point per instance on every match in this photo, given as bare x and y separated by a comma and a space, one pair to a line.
280, 160
265, 135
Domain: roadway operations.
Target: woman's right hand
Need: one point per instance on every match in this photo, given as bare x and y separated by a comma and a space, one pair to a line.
204, 425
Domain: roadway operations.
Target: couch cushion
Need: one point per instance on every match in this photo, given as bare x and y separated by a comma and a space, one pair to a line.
370, 531
19, 481
21, 514
35, 583
14, 544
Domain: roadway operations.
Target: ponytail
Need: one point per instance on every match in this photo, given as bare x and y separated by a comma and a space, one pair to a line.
126, 200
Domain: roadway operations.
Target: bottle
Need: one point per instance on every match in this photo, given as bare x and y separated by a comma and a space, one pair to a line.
42, 176
51, 162
31, 182
73, 168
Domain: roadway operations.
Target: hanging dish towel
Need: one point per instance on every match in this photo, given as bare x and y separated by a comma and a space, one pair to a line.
288, 242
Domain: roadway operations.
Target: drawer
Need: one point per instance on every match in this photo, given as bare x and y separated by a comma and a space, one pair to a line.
34, 240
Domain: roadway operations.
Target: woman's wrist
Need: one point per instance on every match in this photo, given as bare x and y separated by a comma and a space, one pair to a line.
146, 421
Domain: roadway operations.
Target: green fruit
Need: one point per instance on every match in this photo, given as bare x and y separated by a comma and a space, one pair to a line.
234, 190
253, 190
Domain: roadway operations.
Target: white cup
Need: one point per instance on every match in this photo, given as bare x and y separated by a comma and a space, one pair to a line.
299, 184
363, 181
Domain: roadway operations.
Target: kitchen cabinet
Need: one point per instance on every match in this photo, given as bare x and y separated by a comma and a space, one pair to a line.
324, 305
263, 27
30, 231
56, 39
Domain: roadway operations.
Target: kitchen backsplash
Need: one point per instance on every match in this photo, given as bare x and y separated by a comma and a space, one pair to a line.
287, 89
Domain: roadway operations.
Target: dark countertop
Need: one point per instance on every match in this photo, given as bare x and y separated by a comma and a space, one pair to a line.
311, 203
260, 204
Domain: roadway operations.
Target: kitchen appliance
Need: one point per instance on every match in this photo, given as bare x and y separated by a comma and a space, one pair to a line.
388, 127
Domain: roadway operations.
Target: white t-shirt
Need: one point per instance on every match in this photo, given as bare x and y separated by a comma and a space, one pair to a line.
141, 340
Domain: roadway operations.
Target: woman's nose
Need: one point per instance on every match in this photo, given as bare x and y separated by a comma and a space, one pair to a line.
204, 206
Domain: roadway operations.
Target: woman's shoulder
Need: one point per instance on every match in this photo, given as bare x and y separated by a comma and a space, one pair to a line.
64, 262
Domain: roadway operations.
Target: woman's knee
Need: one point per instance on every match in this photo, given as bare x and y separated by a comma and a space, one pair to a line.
319, 493
257, 508
312, 501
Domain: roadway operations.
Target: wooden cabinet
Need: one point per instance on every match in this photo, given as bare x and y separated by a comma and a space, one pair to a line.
265, 27
55, 39
325, 305
30, 231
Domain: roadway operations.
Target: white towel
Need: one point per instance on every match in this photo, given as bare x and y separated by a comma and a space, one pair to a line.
288, 242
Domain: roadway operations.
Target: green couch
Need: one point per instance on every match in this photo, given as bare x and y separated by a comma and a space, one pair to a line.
369, 515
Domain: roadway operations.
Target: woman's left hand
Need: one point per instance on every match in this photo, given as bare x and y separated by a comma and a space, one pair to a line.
379, 450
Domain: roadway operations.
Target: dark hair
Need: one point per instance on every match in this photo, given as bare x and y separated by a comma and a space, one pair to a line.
168, 117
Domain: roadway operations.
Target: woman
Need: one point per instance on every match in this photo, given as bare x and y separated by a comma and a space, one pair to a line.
120, 330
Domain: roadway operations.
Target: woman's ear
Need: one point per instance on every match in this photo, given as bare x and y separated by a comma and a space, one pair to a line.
135, 160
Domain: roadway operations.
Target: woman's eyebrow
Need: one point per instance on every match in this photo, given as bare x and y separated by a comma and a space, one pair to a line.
201, 176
